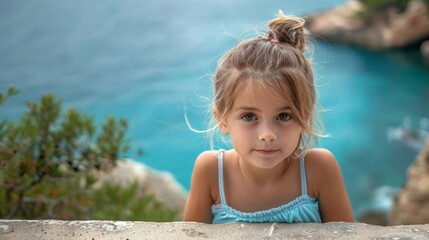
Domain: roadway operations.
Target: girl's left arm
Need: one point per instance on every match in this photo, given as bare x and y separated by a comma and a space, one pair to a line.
334, 202
200, 199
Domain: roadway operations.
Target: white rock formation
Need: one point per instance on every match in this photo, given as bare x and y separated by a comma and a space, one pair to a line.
162, 185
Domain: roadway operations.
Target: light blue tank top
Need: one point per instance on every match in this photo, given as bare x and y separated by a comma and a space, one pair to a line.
302, 209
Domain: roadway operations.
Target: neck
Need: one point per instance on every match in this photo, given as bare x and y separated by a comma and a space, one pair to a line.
263, 176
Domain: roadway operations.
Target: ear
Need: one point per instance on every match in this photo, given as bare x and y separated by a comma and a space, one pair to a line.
221, 124
223, 128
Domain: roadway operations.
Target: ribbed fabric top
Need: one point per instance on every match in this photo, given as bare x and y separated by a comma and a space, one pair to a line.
300, 210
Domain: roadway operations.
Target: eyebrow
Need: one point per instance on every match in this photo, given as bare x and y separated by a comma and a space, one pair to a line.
254, 109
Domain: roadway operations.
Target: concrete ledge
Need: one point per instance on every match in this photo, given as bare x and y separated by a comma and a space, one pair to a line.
53, 229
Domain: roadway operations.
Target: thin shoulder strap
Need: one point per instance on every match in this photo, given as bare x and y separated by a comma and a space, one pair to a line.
220, 175
303, 175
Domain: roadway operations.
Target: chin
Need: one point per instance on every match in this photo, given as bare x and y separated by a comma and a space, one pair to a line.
267, 164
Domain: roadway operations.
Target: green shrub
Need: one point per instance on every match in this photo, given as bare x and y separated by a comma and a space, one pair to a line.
114, 201
374, 7
47, 161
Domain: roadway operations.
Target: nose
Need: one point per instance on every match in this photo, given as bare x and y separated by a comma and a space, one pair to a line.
267, 133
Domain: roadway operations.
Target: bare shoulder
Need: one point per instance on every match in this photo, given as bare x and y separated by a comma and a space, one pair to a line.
202, 193
207, 159
327, 185
322, 168
321, 159
206, 166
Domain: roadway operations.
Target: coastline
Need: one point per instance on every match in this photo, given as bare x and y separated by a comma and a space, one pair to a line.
389, 29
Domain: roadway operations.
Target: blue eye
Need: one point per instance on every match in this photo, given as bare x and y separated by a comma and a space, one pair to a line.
249, 117
284, 117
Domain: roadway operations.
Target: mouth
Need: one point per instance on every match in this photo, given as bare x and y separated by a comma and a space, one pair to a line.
266, 151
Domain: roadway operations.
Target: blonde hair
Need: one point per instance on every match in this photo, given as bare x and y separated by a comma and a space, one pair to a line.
277, 62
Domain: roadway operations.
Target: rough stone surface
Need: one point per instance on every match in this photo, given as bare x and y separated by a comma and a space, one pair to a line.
390, 29
411, 206
53, 229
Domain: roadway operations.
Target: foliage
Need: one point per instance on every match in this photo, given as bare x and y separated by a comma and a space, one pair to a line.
47, 164
114, 201
373, 7
11, 90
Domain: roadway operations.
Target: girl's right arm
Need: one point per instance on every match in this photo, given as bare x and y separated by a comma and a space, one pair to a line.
203, 182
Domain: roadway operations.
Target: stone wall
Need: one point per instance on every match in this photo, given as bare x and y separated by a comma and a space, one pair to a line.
53, 229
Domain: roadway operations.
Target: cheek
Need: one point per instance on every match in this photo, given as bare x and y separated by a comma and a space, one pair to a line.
298, 136
293, 133
240, 133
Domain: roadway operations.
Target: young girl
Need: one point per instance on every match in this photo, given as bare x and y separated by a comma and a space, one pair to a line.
265, 101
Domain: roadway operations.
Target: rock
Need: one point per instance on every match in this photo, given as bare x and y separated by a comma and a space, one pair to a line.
390, 29
161, 184
411, 205
374, 218
424, 48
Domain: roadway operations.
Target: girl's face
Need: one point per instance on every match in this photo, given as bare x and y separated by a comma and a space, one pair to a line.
262, 129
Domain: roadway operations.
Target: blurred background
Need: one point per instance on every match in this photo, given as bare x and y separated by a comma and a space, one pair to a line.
150, 62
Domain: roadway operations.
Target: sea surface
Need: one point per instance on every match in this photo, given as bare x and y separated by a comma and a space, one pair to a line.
151, 62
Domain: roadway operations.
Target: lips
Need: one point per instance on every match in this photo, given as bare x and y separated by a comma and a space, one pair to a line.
266, 151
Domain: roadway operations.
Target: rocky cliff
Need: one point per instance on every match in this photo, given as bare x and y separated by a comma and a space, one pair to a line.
162, 185
389, 29
411, 205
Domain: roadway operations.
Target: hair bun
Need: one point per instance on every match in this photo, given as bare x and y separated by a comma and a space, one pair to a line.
288, 30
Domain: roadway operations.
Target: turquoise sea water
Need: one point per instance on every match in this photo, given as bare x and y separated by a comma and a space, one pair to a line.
150, 61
